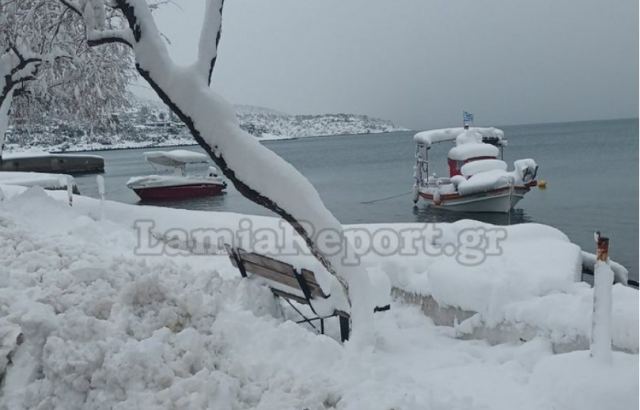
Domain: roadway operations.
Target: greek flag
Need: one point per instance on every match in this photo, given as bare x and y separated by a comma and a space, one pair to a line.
467, 117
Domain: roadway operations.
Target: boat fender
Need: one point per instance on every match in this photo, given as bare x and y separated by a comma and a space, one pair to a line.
416, 194
436, 198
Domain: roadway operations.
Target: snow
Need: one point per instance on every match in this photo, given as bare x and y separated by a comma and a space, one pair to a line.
47, 181
621, 274
103, 327
39, 153
482, 165
464, 152
151, 181
575, 381
485, 181
450, 134
176, 158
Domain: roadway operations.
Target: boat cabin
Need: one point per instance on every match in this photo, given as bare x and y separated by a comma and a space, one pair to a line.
471, 144
465, 153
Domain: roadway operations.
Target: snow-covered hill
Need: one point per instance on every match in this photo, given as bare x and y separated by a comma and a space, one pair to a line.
267, 123
147, 124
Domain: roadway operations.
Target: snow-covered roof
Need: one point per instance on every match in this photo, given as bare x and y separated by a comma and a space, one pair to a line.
450, 134
175, 158
463, 152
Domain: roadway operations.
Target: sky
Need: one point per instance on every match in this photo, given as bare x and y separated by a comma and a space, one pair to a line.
420, 63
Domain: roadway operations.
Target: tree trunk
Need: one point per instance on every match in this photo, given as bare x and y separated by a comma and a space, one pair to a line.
5, 104
256, 172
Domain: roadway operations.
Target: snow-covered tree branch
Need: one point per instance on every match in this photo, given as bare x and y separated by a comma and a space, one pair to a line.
208, 49
256, 172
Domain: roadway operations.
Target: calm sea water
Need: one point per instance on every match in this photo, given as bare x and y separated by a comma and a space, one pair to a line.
591, 169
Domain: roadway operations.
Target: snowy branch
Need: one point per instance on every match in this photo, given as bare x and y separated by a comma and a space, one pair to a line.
95, 16
73, 6
208, 47
100, 37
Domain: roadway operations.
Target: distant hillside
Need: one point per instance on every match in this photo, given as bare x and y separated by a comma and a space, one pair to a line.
149, 124
268, 123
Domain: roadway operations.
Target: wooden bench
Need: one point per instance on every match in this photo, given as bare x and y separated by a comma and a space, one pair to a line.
289, 284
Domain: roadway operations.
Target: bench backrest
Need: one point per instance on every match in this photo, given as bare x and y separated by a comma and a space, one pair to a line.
250, 263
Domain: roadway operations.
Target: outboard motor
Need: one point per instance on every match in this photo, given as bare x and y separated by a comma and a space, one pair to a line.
527, 170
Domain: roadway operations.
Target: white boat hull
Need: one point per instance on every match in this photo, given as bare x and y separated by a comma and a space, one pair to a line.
500, 200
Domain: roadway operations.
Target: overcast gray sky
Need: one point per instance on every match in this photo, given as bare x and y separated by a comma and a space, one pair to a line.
421, 62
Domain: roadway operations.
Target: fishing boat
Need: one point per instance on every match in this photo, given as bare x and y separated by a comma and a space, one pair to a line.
177, 185
478, 179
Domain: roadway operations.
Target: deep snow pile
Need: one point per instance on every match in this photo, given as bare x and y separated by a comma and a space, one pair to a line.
104, 328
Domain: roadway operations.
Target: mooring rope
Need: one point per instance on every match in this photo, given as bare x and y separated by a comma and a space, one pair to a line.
386, 198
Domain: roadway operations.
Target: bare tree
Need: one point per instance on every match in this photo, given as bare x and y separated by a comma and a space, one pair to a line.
256, 172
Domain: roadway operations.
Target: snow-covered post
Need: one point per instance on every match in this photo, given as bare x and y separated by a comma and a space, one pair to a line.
69, 182
601, 319
256, 172
101, 192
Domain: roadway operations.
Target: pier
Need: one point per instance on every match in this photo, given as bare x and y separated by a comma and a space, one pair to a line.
54, 163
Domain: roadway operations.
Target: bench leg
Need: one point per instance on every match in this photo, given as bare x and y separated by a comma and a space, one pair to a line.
344, 328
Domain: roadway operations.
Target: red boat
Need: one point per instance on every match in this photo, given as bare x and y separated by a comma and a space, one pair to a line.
178, 185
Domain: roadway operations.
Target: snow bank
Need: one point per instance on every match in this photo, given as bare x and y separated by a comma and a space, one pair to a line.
103, 327
576, 381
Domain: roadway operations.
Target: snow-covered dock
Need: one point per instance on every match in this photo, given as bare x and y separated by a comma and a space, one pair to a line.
57, 163
41, 179
90, 316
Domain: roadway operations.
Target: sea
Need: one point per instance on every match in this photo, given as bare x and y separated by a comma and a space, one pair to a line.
591, 170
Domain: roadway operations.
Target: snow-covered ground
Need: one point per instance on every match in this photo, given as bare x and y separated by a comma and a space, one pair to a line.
87, 322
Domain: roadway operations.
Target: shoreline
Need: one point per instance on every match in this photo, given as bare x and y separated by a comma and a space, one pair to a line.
185, 144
